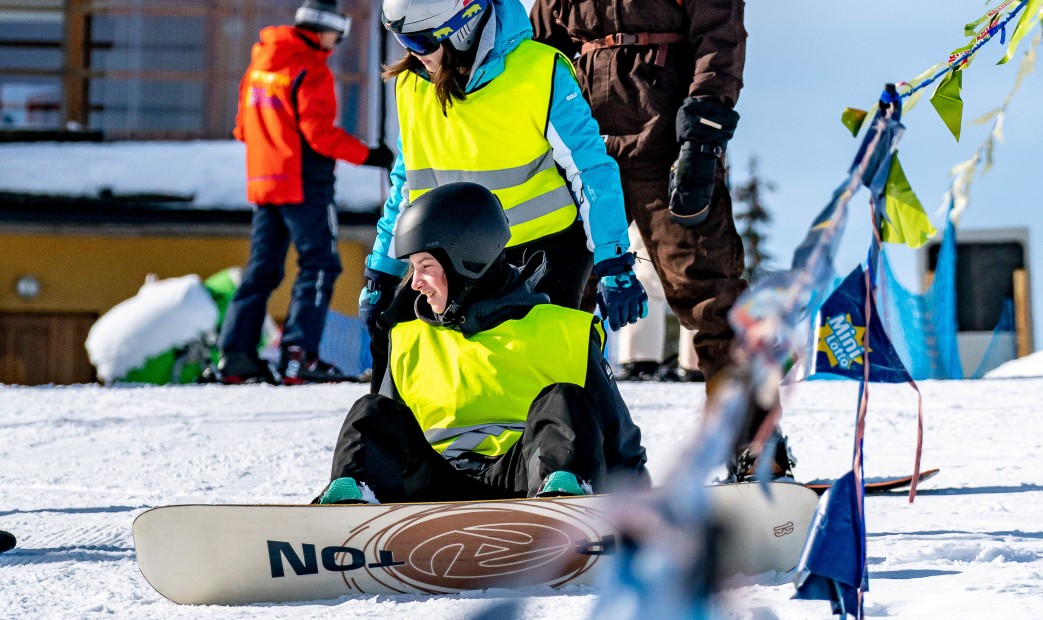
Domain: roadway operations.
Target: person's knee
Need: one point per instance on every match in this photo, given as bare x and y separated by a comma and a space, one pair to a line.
561, 390
369, 405
564, 393
261, 278
566, 401
318, 276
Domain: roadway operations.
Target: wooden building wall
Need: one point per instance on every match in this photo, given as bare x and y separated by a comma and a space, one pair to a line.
82, 276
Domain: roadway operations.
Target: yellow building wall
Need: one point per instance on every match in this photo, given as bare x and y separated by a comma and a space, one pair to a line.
93, 273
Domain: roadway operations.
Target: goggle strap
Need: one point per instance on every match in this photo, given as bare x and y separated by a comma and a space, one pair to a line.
340, 23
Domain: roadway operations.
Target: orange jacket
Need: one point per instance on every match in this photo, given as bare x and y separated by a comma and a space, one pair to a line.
287, 104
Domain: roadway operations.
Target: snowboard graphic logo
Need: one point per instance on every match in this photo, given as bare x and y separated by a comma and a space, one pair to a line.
464, 547
477, 545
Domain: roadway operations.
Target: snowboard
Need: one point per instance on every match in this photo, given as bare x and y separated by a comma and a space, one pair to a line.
876, 485
240, 554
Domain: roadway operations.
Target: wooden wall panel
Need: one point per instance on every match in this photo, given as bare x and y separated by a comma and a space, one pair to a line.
37, 349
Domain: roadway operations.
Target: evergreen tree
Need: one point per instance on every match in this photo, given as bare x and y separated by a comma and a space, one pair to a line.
753, 220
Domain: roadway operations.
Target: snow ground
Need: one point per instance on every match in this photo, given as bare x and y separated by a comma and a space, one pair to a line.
78, 463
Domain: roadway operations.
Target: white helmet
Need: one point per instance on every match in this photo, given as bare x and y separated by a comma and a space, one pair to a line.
421, 25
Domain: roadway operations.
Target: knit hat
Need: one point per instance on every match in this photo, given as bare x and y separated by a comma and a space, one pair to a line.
322, 16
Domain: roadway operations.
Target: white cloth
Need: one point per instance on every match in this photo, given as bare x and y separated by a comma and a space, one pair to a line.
645, 341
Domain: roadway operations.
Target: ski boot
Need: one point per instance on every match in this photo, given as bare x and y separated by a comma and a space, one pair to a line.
743, 466
298, 368
236, 368
638, 371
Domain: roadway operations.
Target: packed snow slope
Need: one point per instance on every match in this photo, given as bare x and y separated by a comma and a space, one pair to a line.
77, 464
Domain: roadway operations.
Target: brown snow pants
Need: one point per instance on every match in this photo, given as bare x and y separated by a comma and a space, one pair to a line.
700, 268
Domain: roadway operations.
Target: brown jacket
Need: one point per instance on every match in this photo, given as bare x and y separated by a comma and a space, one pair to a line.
634, 99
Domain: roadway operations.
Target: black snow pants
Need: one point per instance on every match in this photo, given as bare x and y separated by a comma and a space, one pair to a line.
381, 444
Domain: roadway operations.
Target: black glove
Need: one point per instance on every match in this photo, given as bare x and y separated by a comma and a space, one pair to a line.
703, 130
380, 156
376, 297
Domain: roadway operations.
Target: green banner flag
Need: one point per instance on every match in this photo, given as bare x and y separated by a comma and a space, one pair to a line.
948, 103
853, 119
905, 221
1029, 20
971, 29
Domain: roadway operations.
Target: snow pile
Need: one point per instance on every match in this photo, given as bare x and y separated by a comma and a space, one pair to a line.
210, 173
165, 314
1028, 366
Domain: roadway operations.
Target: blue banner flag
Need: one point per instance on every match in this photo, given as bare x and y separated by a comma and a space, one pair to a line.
845, 339
833, 564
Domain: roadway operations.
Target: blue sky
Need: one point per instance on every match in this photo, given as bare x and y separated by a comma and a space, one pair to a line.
808, 60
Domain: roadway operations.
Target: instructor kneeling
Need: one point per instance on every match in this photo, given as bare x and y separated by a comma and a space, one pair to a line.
491, 391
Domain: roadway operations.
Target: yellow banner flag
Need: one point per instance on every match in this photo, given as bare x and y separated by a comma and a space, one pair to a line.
905, 221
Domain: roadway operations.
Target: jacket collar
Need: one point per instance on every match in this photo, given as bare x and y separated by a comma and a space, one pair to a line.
508, 26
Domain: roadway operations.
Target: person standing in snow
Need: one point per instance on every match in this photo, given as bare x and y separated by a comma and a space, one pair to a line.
662, 78
287, 111
491, 391
478, 100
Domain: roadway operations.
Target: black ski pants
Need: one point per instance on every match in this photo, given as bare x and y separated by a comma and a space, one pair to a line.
381, 444
312, 227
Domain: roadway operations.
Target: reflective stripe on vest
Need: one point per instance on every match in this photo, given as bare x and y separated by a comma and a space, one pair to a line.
468, 439
473, 394
495, 137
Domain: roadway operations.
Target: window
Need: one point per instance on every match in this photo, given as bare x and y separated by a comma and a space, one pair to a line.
30, 65
142, 69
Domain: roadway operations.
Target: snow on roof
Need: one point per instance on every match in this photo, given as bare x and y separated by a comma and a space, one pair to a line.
212, 173
1028, 366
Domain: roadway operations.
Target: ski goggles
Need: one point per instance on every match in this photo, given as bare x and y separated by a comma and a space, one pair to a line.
331, 22
427, 41
420, 43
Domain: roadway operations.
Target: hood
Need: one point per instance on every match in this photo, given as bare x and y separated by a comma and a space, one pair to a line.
516, 298
279, 44
512, 27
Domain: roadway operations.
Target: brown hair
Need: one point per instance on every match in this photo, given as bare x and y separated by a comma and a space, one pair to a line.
449, 81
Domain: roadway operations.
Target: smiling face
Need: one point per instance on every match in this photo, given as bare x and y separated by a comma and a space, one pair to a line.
433, 61
429, 280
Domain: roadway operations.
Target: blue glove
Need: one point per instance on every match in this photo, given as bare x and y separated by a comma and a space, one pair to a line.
620, 297
376, 297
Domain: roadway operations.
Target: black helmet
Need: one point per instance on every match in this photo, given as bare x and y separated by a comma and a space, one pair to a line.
463, 221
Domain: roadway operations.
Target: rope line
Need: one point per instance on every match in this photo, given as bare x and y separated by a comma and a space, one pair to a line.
954, 64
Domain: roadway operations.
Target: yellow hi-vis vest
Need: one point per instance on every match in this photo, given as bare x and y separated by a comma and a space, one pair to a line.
495, 137
473, 394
